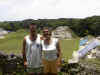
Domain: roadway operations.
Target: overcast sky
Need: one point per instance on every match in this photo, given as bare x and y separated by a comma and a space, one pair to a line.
11, 10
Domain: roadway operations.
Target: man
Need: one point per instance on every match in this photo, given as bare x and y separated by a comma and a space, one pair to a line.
32, 50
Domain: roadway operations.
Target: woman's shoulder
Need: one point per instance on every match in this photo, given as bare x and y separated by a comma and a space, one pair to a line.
55, 39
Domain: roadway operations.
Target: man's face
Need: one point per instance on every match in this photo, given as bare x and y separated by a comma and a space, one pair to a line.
33, 29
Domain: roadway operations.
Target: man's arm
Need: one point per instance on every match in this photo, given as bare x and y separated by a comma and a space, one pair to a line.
23, 51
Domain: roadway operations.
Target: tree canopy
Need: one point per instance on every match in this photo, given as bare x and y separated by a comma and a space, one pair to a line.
82, 27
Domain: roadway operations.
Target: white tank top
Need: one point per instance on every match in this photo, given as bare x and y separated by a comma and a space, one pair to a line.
33, 52
49, 52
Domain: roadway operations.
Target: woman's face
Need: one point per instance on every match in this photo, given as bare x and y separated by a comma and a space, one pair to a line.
46, 34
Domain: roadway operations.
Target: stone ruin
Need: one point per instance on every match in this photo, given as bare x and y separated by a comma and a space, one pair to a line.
94, 53
2, 33
10, 63
89, 64
62, 32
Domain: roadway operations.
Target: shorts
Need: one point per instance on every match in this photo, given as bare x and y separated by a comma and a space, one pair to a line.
50, 66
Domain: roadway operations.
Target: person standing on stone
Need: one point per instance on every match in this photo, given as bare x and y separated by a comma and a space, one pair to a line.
51, 52
32, 51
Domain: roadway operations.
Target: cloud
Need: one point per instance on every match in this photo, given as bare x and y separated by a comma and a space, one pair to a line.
24, 9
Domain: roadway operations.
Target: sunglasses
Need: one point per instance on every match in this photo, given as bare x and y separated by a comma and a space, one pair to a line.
45, 31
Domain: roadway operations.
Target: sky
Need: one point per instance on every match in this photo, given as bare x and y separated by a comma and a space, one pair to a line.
11, 10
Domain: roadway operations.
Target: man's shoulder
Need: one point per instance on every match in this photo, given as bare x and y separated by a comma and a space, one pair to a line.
39, 35
26, 37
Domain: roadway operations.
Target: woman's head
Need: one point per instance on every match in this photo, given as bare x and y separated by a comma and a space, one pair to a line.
47, 32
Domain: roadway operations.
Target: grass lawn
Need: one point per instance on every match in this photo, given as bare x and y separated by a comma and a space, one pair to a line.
13, 44
68, 46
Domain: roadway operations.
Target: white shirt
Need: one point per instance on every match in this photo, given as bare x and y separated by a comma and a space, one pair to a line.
33, 52
49, 51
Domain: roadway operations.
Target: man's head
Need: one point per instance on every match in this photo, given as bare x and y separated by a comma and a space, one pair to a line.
32, 27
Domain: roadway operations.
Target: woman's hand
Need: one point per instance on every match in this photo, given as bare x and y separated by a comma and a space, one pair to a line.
25, 63
59, 61
58, 55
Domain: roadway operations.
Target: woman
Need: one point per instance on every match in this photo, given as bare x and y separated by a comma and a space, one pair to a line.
51, 52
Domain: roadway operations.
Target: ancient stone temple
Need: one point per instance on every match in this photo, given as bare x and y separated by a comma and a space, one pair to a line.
62, 32
2, 33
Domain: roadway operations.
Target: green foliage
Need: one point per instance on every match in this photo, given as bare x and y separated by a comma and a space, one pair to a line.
79, 26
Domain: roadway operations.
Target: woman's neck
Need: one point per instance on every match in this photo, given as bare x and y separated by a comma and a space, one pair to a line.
47, 41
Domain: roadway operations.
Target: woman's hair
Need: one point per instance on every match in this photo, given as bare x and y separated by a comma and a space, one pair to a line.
48, 29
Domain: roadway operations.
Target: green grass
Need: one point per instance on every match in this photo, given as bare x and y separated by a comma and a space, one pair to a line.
68, 46
13, 44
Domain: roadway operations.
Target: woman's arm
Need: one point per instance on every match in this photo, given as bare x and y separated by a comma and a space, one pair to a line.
58, 49
59, 54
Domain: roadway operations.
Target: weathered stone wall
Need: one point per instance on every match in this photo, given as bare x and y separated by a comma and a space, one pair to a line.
62, 32
10, 63
2, 33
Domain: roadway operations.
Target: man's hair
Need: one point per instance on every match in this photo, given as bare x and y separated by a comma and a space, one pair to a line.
32, 23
